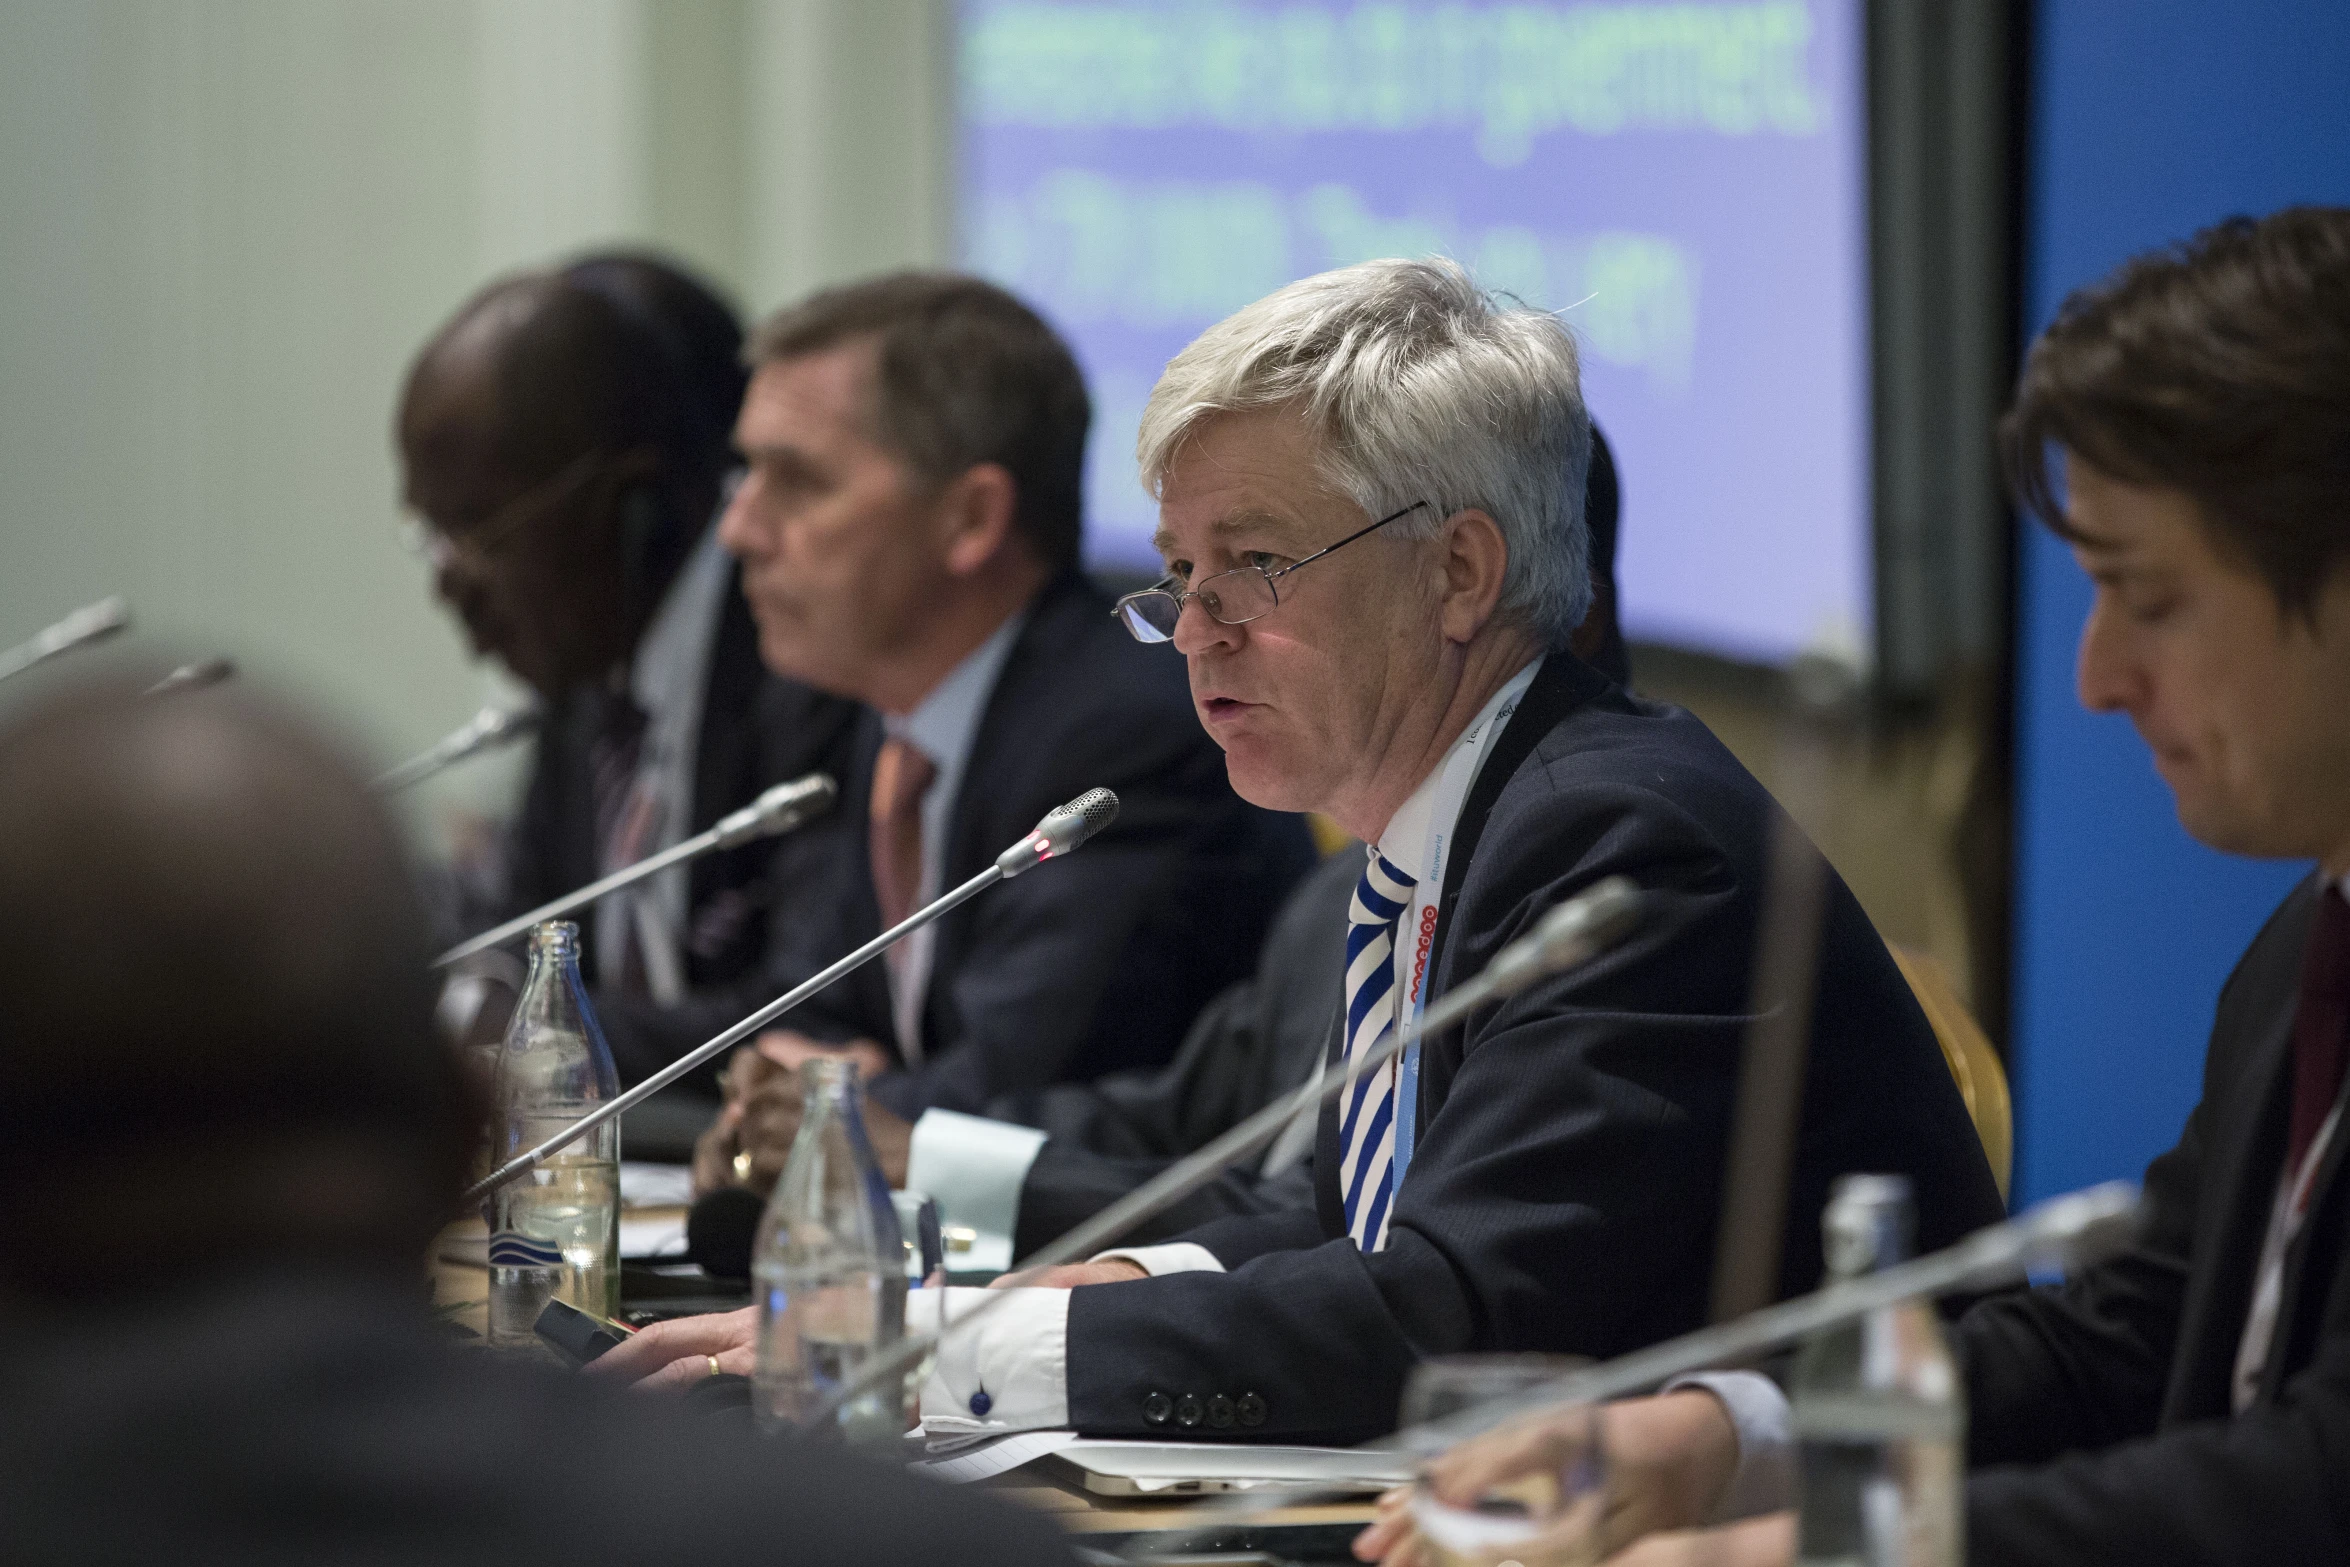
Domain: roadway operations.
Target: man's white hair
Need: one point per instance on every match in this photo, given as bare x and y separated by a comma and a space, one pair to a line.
1418, 386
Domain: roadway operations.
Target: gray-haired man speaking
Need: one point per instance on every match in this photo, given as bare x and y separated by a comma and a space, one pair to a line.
1370, 489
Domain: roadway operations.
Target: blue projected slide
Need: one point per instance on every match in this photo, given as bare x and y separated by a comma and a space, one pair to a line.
1684, 182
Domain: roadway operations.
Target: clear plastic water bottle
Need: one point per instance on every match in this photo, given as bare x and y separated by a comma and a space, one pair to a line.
829, 1267
1879, 1411
554, 1230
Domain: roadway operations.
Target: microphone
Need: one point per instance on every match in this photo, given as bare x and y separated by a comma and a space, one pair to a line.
193, 677
486, 730
90, 623
1570, 935
2071, 1231
1100, 807
1064, 827
778, 811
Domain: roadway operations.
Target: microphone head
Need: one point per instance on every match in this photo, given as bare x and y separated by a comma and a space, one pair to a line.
193, 677
779, 810
1063, 828
92, 621
1575, 932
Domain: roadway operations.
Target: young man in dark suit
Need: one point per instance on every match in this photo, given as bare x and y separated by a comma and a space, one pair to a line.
232, 1132
564, 444
2189, 1402
1371, 487
909, 527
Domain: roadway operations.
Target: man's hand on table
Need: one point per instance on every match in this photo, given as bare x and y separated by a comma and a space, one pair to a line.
752, 1137
685, 1350
1670, 1460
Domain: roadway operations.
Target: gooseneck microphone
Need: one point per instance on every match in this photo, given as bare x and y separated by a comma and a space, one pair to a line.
1062, 831
1570, 935
486, 730
88, 624
2072, 1231
193, 677
778, 811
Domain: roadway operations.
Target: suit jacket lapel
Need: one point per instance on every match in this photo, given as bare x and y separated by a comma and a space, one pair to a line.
2245, 1145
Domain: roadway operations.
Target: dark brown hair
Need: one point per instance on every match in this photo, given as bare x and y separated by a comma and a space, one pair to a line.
2220, 368
965, 374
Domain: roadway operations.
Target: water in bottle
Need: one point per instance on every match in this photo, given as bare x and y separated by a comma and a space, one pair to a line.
554, 1230
1879, 1413
830, 1270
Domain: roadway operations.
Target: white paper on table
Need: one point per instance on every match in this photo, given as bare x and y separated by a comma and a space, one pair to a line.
994, 1457
648, 1185
652, 1235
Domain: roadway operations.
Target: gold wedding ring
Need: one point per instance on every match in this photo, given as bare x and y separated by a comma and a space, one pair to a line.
742, 1167
713, 1359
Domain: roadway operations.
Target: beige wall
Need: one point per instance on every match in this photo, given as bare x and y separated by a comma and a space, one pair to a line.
230, 223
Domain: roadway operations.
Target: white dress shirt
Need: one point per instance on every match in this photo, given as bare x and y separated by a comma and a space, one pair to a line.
1019, 1355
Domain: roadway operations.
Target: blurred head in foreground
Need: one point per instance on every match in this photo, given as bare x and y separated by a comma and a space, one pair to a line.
2185, 426
216, 1042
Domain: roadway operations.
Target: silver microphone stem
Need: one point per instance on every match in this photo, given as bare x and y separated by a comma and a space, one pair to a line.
735, 1035
486, 730
1569, 935
2071, 1231
777, 811
85, 625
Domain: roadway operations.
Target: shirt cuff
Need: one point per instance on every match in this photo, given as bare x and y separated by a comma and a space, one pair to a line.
973, 1168
1017, 1356
1764, 1481
1173, 1257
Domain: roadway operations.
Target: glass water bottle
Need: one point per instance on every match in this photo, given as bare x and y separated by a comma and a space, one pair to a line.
829, 1268
1879, 1412
555, 1229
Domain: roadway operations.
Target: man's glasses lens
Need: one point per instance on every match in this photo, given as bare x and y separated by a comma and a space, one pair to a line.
1233, 598
1150, 616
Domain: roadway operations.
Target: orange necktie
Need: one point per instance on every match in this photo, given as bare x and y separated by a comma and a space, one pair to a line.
902, 775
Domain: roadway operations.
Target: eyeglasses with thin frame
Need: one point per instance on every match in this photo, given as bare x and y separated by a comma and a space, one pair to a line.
1231, 598
438, 548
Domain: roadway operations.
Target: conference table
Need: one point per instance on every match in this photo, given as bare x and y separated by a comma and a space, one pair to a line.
1236, 1535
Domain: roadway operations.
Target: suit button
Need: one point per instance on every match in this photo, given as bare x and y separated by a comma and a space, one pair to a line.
1158, 1409
1251, 1409
1220, 1412
1188, 1411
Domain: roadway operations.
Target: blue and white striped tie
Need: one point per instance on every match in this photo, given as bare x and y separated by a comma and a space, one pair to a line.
1366, 1128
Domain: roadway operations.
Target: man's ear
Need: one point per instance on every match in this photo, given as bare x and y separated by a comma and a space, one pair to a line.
976, 515
1476, 559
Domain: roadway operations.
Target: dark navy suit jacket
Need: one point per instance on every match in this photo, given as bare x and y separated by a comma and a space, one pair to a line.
1565, 1190
1085, 965
2101, 1409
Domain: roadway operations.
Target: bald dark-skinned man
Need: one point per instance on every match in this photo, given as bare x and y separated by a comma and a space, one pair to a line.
231, 1132
564, 441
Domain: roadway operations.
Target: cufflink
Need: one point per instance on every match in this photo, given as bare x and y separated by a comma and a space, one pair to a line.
981, 1403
